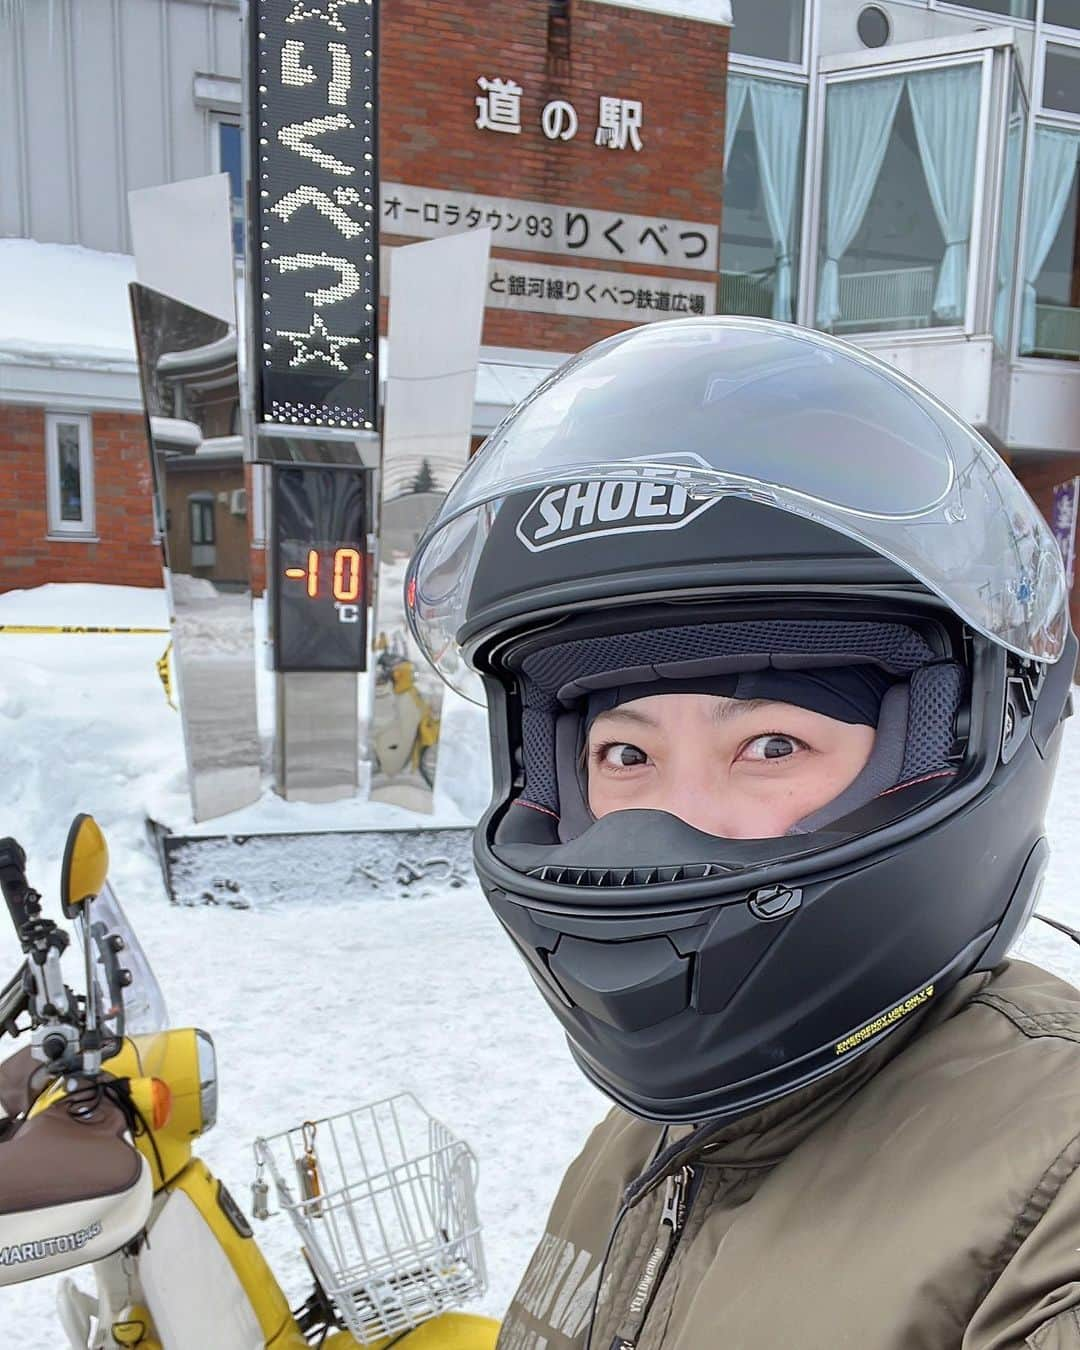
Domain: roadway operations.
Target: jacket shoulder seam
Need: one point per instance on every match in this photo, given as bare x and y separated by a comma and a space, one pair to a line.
1060, 1025
1035, 1206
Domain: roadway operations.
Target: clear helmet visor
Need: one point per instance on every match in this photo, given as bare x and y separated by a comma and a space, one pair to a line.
782, 415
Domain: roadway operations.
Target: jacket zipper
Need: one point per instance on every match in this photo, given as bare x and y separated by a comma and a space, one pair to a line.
672, 1220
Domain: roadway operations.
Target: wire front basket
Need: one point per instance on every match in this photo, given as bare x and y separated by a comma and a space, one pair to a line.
384, 1198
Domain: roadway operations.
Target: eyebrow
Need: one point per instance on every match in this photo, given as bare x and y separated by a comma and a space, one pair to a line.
727, 710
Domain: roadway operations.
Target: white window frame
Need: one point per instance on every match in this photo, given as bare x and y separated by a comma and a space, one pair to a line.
1063, 121
228, 119
764, 65
1057, 37
85, 529
1014, 68
1057, 32
973, 11
971, 49
796, 78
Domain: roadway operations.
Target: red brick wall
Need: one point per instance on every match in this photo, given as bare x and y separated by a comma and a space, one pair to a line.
433, 51
124, 553
1040, 474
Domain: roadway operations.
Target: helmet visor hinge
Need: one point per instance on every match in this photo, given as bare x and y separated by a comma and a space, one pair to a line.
1021, 692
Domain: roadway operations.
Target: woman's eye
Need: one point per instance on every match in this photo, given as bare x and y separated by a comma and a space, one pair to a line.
772, 747
622, 756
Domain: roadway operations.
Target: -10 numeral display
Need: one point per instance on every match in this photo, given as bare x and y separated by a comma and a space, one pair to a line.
347, 574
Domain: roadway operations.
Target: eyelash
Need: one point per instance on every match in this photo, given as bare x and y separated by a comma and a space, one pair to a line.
781, 735
599, 752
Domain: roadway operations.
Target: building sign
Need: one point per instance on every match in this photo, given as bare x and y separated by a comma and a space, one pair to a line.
618, 121
625, 296
539, 227
314, 218
1063, 523
320, 563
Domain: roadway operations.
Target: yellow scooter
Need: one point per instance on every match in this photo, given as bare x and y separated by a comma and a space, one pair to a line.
406, 727
97, 1168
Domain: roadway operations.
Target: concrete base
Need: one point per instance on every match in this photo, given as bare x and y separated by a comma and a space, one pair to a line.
244, 871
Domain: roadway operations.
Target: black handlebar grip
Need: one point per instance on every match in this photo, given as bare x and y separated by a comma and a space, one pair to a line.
13, 883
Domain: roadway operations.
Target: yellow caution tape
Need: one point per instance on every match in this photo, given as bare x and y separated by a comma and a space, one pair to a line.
165, 676
162, 663
29, 628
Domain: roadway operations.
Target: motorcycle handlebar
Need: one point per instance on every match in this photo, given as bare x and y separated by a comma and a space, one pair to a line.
22, 902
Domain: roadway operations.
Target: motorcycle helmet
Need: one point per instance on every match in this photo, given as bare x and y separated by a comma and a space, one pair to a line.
728, 499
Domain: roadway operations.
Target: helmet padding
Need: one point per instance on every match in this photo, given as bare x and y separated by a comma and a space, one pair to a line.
916, 728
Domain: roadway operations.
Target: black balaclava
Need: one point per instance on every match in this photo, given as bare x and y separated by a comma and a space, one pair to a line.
850, 694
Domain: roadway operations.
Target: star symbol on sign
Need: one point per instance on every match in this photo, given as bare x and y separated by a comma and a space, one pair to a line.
319, 345
327, 11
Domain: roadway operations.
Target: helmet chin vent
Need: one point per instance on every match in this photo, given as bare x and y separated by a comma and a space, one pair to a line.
627, 876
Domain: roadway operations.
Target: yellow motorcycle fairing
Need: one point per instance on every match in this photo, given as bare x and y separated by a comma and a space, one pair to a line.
171, 1056
450, 1331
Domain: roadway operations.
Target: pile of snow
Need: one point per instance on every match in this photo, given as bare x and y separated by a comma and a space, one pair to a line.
327, 1002
65, 301
69, 681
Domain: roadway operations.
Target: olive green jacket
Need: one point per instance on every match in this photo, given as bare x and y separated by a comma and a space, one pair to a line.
925, 1197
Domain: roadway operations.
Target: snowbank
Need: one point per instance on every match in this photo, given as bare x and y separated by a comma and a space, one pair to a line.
65, 676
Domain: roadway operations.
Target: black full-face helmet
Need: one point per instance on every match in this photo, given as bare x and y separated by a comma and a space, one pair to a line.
711, 498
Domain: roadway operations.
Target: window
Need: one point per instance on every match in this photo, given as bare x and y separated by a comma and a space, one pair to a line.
1050, 306
899, 190
873, 27
69, 474
1061, 78
201, 513
201, 530
763, 159
1062, 12
1010, 9
231, 161
771, 30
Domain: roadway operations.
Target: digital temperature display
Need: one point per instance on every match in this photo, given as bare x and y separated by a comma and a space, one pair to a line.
321, 522
347, 567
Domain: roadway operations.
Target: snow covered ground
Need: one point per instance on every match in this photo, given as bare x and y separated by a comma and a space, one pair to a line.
329, 1002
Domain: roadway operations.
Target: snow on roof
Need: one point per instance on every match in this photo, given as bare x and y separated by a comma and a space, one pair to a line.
65, 301
704, 11
68, 303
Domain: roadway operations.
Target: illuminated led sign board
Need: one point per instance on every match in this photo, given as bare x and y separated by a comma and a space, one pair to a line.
320, 561
314, 217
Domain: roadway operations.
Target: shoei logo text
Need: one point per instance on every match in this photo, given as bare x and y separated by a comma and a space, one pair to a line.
574, 511
50, 1246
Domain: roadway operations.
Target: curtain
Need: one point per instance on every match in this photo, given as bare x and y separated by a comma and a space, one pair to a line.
1010, 208
737, 88
778, 114
945, 109
1050, 182
859, 118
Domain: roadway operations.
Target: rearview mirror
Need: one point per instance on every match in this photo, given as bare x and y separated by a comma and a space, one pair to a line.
85, 865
